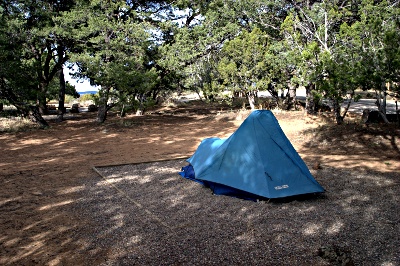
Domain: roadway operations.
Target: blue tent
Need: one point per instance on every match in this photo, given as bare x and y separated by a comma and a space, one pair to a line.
256, 161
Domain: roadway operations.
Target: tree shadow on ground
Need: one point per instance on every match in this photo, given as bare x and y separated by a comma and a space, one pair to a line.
354, 146
42, 173
56, 210
146, 214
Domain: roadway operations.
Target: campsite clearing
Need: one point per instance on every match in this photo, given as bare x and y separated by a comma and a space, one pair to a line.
55, 210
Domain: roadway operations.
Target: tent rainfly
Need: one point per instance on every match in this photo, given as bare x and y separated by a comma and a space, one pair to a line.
256, 161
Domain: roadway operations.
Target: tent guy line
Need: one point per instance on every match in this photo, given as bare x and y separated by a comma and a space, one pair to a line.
144, 162
137, 204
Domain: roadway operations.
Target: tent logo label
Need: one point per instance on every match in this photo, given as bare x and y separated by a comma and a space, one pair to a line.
281, 187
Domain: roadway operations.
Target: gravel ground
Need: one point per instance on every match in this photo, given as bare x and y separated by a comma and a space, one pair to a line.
146, 214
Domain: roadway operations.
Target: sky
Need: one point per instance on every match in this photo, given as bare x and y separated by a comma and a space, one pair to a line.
80, 85
84, 85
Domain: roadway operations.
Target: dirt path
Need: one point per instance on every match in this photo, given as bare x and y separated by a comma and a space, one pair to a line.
42, 171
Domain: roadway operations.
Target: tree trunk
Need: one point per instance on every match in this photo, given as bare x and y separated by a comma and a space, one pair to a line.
103, 108
41, 99
381, 103
384, 118
291, 97
140, 110
310, 103
198, 93
336, 109
123, 111
102, 113
251, 99
61, 97
35, 116
274, 94
32, 112
346, 109
384, 90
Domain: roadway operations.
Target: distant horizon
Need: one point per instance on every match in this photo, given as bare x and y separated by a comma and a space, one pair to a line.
80, 86
87, 92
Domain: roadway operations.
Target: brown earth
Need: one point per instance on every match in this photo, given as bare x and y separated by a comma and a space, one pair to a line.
42, 171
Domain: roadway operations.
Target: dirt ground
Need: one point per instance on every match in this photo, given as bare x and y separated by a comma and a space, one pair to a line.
41, 171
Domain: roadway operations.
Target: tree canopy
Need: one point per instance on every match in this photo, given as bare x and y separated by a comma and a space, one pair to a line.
134, 50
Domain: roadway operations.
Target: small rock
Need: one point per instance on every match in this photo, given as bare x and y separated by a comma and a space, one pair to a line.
317, 166
92, 108
75, 108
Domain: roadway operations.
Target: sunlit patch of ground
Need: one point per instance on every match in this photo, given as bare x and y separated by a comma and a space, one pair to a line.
46, 175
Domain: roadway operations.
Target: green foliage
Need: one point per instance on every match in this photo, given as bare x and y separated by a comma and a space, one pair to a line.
88, 97
17, 79
137, 49
54, 88
370, 55
115, 52
242, 63
36, 52
343, 47
69, 99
